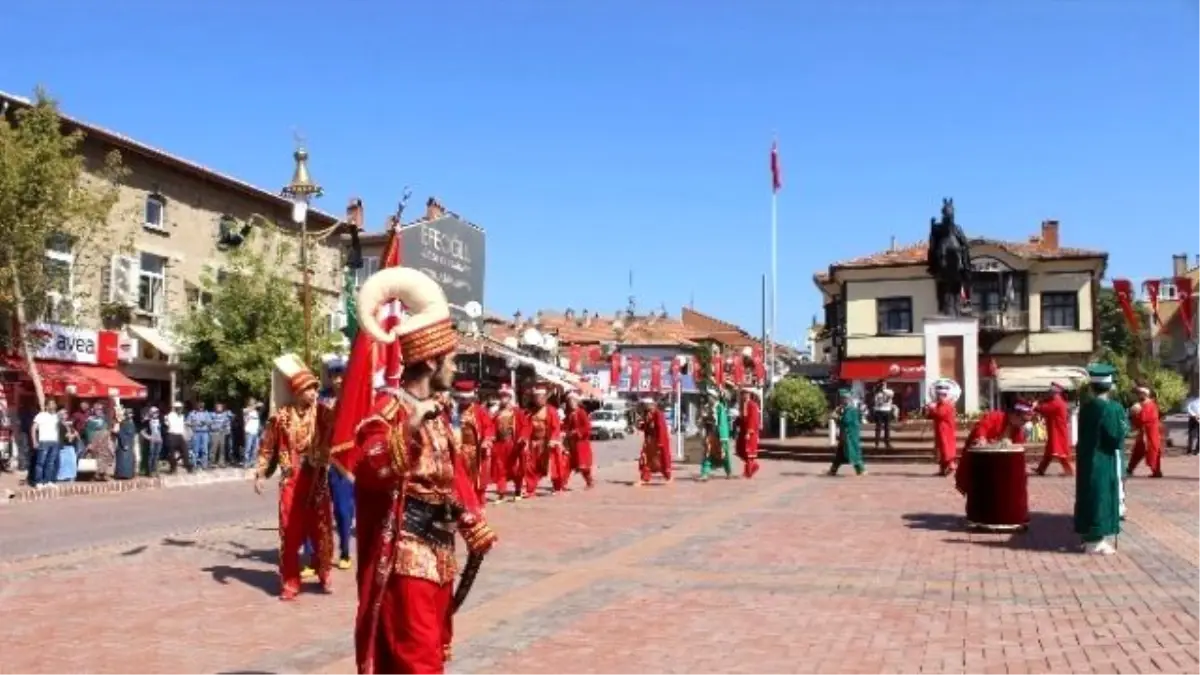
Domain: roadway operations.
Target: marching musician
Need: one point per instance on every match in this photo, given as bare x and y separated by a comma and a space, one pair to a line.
1056, 414
750, 420
477, 437
1145, 418
717, 437
945, 426
577, 426
656, 443
1099, 494
848, 416
992, 427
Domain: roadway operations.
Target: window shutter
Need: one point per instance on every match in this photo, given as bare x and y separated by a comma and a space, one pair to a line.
123, 280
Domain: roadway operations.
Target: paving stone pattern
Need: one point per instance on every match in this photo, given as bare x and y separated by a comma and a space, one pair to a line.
790, 572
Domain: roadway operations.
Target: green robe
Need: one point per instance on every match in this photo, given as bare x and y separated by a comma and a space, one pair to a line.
849, 439
1097, 469
721, 422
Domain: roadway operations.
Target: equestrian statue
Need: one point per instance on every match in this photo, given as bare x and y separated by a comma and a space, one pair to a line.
949, 261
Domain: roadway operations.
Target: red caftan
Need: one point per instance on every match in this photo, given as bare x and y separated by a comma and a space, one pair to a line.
505, 425
405, 580
477, 440
578, 432
293, 438
522, 467
990, 428
545, 443
656, 446
945, 431
1149, 440
747, 438
1056, 414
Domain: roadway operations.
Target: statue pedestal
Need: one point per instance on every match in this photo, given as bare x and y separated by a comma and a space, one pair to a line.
958, 335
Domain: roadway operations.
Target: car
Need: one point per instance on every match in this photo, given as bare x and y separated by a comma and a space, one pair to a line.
607, 424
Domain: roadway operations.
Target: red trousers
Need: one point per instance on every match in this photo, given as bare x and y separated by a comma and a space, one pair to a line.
555, 461
580, 453
304, 513
415, 626
1049, 457
522, 471
501, 457
1149, 451
654, 460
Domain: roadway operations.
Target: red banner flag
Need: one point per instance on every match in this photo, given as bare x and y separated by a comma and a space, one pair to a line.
614, 370
573, 358
594, 354
718, 367
776, 169
696, 374
739, 370
675, 369
656, 376
760, 371
1152, 288
1124, 290
635, 373
1183, 286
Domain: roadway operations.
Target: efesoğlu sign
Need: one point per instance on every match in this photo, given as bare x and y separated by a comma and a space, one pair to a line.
450, 251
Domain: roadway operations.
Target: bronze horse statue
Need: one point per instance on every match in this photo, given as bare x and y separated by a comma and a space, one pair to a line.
948, 260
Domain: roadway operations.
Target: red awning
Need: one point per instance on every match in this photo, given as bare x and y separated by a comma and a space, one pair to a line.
83, 381
882, 369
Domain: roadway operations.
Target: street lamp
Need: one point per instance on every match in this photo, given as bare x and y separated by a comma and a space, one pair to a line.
300, 191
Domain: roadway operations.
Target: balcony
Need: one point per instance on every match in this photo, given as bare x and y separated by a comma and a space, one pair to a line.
1002, 321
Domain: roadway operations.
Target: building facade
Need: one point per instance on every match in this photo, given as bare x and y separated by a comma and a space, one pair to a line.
1032, 318
163, 241
1173, 341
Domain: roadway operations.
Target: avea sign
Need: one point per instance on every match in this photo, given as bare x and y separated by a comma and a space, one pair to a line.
51, 342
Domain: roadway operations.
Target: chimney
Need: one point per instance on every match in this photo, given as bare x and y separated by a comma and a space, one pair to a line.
517, 319
587, 318
537, 318
1050, 235
433, 209
892, 246
1179, 264
569, 315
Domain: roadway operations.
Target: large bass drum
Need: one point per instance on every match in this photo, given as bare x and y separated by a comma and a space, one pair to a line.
998, 490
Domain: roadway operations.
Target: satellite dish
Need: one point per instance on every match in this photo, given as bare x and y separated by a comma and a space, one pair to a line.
532, 337
473, 309
510, 342
549, 342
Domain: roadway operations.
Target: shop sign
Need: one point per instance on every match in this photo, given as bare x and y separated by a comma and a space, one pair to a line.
52, 342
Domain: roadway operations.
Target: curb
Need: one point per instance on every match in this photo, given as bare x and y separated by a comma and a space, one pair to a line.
80, 488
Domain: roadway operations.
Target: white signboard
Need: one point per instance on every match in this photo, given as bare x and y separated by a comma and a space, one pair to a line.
52, 342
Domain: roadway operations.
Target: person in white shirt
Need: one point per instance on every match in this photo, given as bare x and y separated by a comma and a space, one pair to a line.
1193, 413
252, 426
46, 436
881, 413
177, 445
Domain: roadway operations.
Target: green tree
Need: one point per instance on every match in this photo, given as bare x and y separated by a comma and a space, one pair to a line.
254, 316
800, 400
49, 198
1169, 387
1115, 334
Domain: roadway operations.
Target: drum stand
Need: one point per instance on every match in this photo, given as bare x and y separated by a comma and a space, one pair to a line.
998, 528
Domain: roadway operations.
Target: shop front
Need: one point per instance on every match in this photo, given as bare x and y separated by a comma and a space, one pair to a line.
904, 375
72, 362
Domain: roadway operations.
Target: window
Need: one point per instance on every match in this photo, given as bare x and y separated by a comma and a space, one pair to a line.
370, 266
1060, 311
151, 282
999, 292
894, 315
59, 267
156, 211
198, 298
1167, 290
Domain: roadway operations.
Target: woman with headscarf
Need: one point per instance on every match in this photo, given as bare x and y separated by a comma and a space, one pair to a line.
126, 460
97, 435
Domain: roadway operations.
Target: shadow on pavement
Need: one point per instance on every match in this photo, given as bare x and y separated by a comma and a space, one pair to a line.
134, 551
938, 522
269, 556
266, 581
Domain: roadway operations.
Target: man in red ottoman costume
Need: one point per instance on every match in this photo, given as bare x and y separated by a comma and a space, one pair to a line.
411, 486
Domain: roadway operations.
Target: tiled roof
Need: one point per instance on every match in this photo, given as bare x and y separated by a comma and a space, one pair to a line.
915, 254
642, 330
177, 162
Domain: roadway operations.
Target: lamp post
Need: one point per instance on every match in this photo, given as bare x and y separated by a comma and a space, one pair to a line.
300, 191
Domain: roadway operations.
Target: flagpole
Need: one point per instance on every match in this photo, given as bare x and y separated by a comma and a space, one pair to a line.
774, 284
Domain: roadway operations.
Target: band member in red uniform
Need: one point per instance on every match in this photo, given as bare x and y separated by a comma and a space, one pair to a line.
506, 466
992, 427
1145, 418
1056, 414
749, 422
656, 443
945, 428
411, 486
475, 425
578, 432
545, 444
295, 441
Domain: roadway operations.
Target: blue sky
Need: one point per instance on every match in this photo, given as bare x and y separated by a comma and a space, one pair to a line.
595, 138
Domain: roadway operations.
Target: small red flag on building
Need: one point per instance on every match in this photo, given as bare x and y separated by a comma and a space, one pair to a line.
656, 376
635, 373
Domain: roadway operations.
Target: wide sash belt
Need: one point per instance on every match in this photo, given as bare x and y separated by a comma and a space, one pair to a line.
433, 524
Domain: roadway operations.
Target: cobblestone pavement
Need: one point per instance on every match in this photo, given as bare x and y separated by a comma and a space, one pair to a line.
790, 572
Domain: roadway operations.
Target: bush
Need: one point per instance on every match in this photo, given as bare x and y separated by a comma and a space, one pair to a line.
1169, 387
801, 401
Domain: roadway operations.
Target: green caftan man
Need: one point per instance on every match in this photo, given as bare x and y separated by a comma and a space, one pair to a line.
717, 448
1098, 467
849, 448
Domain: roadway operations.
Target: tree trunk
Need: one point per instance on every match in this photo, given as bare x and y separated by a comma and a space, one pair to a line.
22, 341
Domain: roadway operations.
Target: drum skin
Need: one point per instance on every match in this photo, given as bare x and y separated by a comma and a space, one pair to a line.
998, 497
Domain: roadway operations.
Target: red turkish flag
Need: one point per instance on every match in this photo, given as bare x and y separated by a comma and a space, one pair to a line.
1152, 287
1124, 290
718, 365
760, 370
614, 370
635, 373
656, 376
739, 370
1183, 285
594, 354
573, 358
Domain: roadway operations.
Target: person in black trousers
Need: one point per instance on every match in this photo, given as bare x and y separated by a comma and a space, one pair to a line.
881, 413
